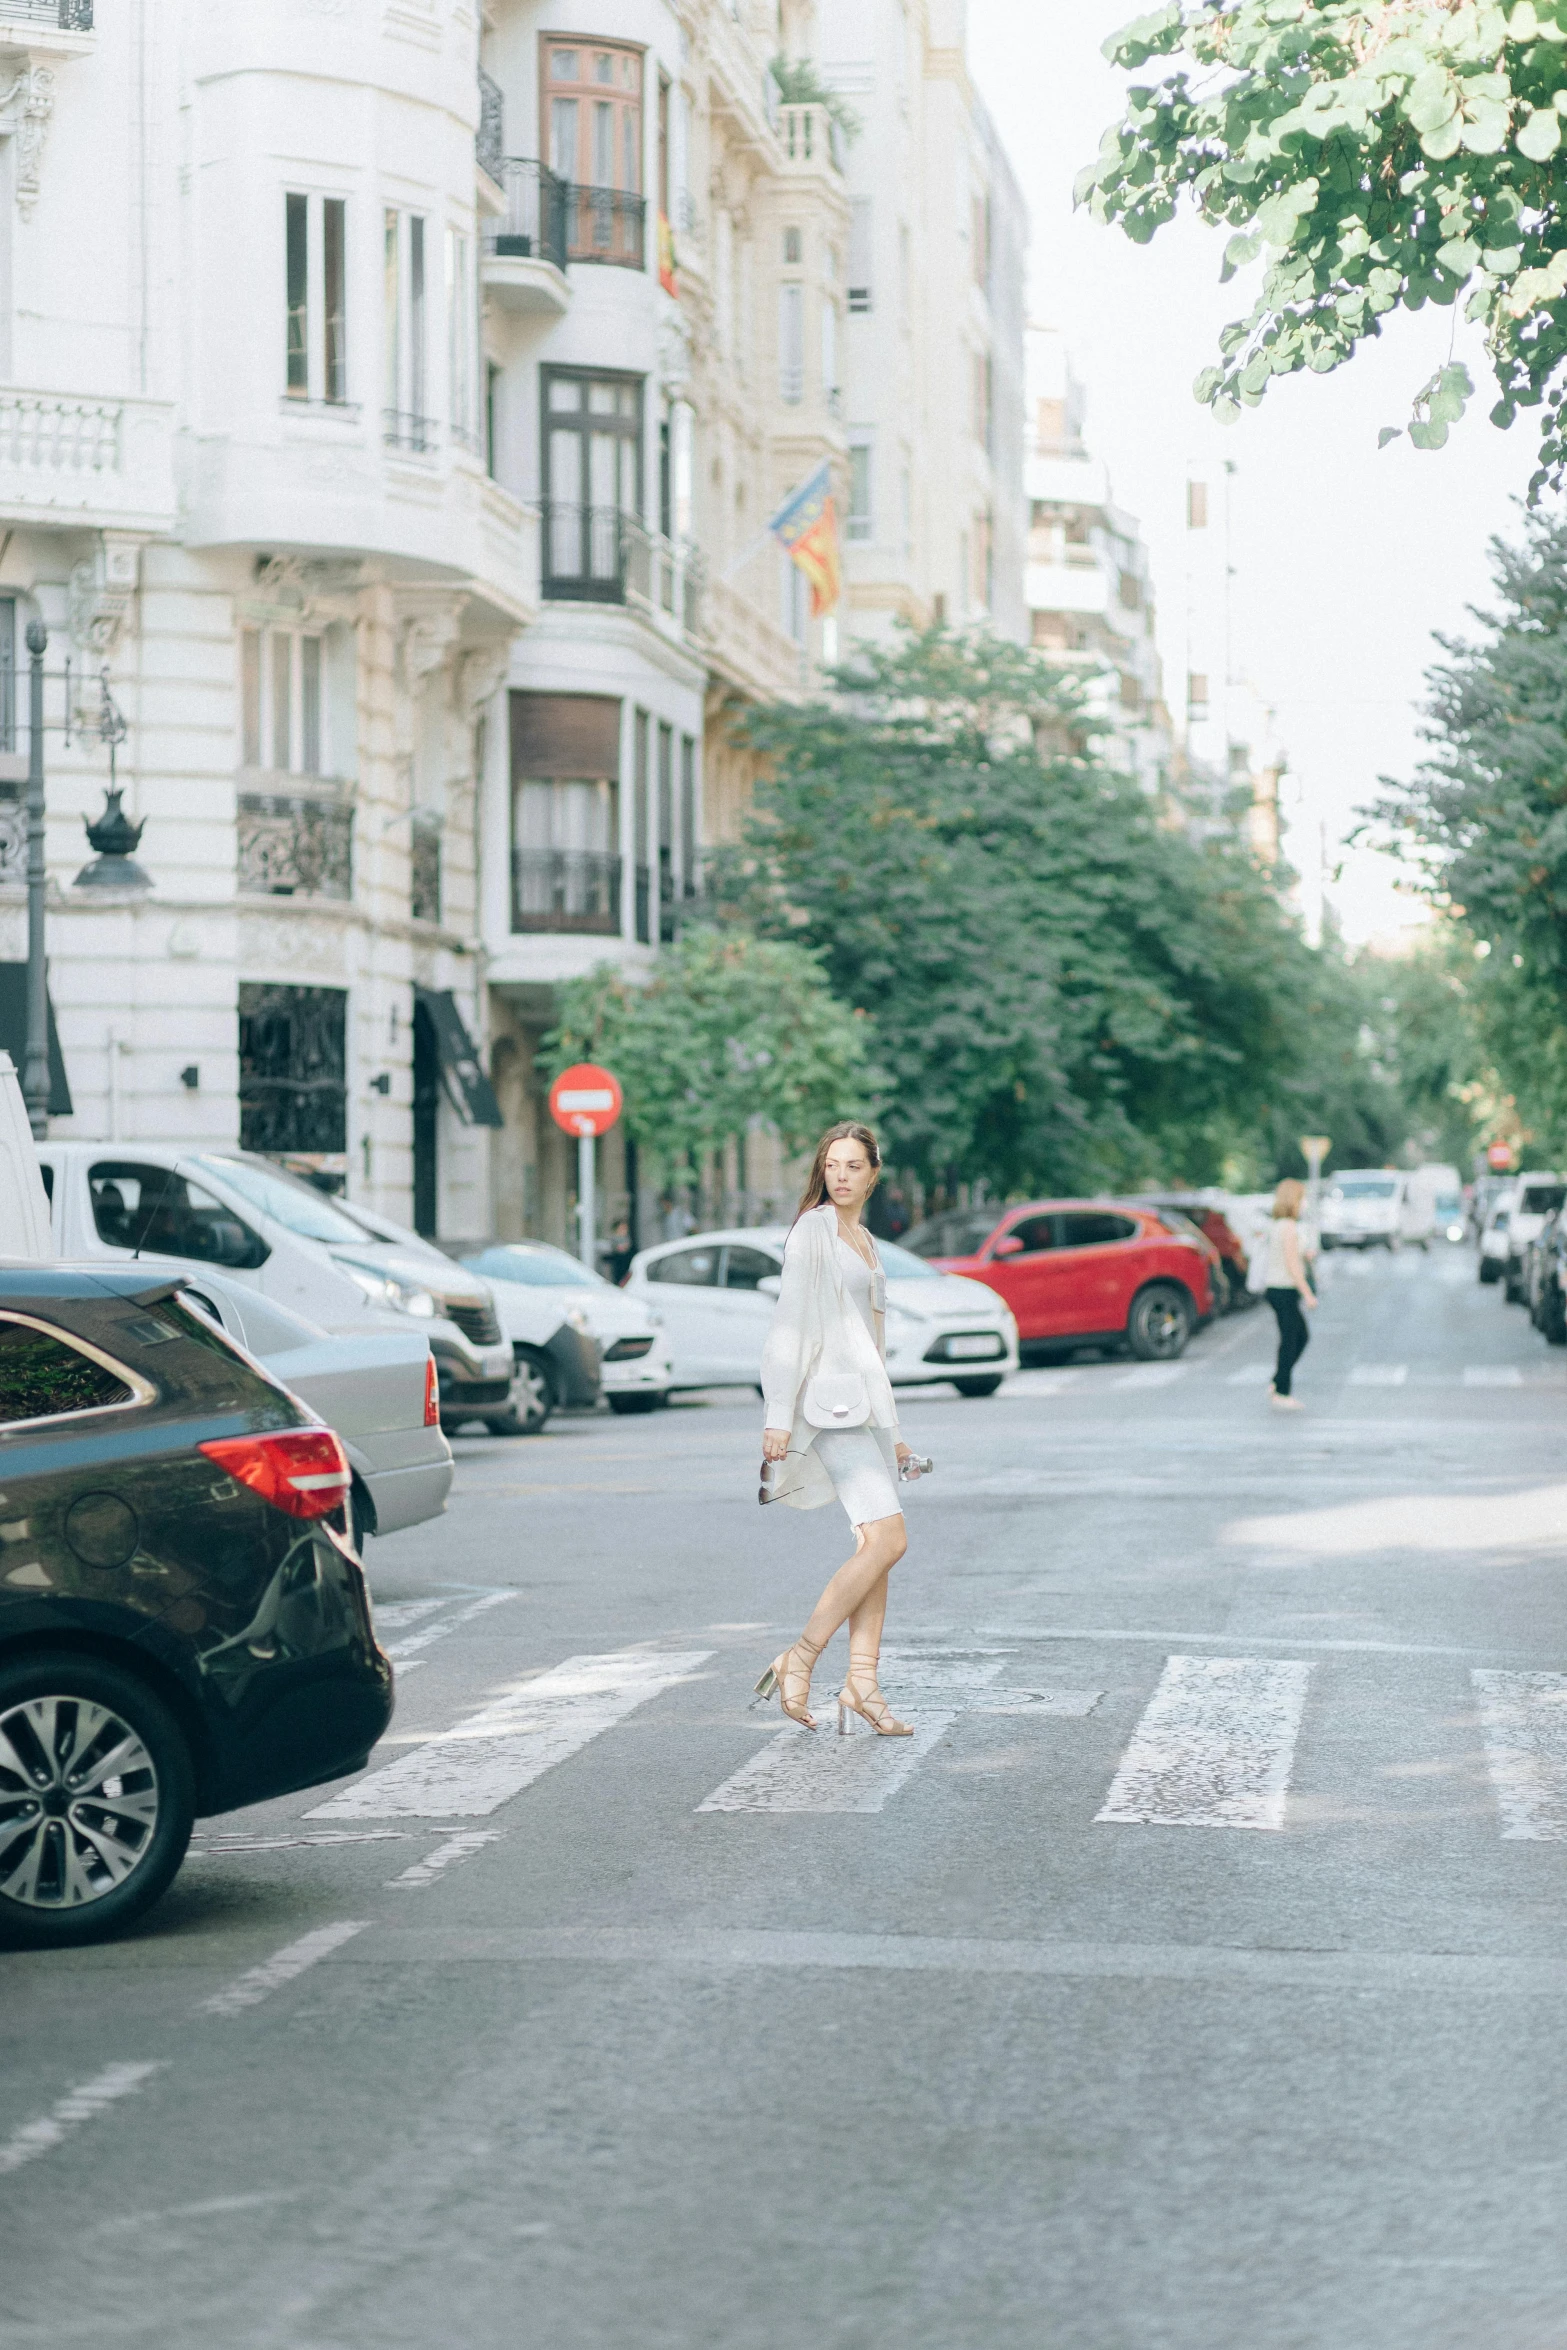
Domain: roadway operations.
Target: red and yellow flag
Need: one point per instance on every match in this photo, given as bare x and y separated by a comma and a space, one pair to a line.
806, 525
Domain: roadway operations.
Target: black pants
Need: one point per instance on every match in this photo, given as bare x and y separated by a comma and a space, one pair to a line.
1294, 1337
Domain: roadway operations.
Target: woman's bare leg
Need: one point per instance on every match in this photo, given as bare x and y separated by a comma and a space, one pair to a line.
878, 1548
865, 1626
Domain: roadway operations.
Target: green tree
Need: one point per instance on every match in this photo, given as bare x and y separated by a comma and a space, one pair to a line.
1369, 156
727, 1028
1065, 988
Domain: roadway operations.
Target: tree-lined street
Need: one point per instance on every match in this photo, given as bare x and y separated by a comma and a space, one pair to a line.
1191, 1977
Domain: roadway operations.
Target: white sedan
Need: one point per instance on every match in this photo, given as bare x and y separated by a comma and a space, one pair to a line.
635, 1369
714, 1294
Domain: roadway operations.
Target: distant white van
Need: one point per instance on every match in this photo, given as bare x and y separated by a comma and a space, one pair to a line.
1369, 1207
1436, 1195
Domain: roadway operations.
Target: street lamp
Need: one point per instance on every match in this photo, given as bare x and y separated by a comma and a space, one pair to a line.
35, 1061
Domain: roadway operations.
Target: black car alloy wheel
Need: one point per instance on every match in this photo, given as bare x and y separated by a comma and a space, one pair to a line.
532, 1397
96, 1798
1160, 1323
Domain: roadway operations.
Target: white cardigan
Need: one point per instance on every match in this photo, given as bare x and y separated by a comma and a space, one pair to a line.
817, 1326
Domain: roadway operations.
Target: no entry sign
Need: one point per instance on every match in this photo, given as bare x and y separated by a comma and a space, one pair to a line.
585, 1100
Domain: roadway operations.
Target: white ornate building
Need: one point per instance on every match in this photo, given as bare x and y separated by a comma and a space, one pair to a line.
393, 396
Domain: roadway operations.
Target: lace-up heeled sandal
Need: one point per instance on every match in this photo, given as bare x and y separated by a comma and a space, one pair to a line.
861, 1694
790, 1681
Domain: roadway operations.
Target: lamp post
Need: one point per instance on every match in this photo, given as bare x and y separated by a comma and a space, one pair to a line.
35, 1063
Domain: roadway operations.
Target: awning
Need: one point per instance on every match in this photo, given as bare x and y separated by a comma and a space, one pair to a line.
13, 1035
468, 1089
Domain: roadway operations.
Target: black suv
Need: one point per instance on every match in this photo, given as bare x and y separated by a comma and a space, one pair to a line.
184, 1626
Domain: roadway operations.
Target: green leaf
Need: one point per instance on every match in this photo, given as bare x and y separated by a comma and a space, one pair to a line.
1428, 436
1237, 253
1439, 144
1485, 128
1540, 136
1432, 99
1389, 432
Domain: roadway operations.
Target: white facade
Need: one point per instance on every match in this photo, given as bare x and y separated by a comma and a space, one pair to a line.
400, 446
933, 357
1089, 588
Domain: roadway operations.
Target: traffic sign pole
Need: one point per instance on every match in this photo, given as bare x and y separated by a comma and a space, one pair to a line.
587, 1206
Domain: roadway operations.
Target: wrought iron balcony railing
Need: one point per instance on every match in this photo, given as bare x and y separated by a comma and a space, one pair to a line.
294, 846
399, 430
424, 881
565, 889
533, 226
490, 139
66, 16
600, 555
605, 224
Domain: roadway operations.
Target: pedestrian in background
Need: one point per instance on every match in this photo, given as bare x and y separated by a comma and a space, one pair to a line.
831, 1425
1289, 1292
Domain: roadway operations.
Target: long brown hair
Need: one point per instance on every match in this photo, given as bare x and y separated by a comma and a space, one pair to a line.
848, 1130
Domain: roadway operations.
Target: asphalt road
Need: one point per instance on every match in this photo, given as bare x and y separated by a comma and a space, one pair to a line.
1193, 1981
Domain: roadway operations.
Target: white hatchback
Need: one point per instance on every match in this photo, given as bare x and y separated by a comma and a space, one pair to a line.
714, 1294
635, 1369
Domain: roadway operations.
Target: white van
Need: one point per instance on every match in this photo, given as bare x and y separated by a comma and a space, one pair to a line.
246, 1218
1436, 1196
1371, 1207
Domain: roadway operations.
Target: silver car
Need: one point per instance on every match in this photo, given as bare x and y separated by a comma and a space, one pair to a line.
375, 1388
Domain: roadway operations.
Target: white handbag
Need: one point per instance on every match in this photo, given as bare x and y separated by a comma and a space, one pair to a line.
836, 1399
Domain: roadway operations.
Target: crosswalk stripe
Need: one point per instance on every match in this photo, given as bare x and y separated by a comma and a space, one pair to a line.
470, 1771
817, 1771
1041, 1382
1254, 1375
1152, 1375
1379, 1375
1492, 1375
1214, 1746
1524, 1717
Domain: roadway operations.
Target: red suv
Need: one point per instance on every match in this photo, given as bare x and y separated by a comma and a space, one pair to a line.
1076, 1269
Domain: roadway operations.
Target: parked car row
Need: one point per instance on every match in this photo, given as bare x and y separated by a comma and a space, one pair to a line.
1515, 1225
1387, 1207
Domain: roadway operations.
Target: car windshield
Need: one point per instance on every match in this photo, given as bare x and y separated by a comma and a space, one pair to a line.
1365, 1187
297, 1206
900, 1264
535, 1268
1542, 1199
962, 1233
1449, 1203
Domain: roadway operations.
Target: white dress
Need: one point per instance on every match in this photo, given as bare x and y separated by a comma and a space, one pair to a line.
825, 1320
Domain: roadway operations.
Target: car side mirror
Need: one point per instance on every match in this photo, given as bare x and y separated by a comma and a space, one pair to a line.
1011, 1246
770, 1285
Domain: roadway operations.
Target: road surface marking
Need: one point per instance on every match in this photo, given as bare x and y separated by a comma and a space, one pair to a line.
1254, 1375
1041, 1382
70, 2111
471, 1771
456, 1848
1492, 1375
1214, 1746
396, 1615
1379, 1375
1524, 1716
1064, 1704
259, 1982
1152, 1375
401, 1651
817, 1771
233, 1844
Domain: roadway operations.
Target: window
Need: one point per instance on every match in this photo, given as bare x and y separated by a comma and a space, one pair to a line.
293, 1094
1130, 589
960, 1233
315, 263
860, 224
748, 1268
1095, 1230
859, 523
592, 133
1197, 505
979, 237
492, 376
693, 1268
7, 673
405, 421
163, 1214
643, 825
688, 815
566, 813
829, 348
791, 344
793, 248
1037, 1233
282, 704
1131, 691
592, 478
462, 341
41, 1377
666, 833
1197, 691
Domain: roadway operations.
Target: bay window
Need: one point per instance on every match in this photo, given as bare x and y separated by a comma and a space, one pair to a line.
315, 241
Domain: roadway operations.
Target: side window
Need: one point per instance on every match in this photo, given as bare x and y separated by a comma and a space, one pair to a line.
48, 1181
697, 1268
1035, 1232
745, 1267
164, 1214
1093, 1229
41, 1376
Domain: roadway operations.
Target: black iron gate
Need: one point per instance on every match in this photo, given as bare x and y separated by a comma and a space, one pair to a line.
293, 1069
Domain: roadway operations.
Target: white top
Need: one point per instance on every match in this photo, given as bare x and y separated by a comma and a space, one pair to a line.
1280, 1275
867, 1286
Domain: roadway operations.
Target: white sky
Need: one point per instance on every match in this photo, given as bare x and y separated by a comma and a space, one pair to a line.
1347, 558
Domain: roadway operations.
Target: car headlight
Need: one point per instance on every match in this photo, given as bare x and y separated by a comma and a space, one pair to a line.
379, 1292
415, 1301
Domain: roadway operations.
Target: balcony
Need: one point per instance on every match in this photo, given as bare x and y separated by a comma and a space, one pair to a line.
414, 436
292, 845
605, 224
95, 464
524, 252
810, 139
566, 889
47, 28
489, 145
599, 555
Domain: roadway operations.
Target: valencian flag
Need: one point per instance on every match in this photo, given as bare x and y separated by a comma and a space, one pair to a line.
807, 525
